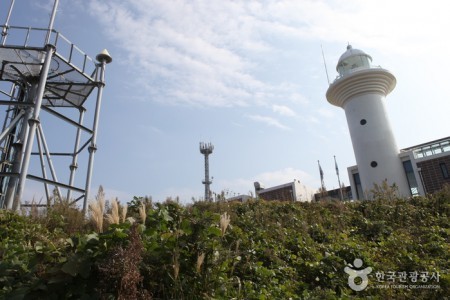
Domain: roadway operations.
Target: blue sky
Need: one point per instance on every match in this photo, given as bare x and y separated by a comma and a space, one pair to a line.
249, 77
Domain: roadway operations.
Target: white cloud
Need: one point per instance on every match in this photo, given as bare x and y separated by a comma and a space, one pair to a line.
205, 53
268, 121
405, 27
309, 119
233, 187
111, 194
285, 175
46, 5
298, 98
150, 128
325, 112
192, 51
283, 110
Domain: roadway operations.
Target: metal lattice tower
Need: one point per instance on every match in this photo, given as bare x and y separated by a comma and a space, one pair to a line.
45, 87
206, 149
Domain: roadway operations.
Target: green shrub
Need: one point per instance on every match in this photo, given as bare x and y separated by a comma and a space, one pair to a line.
269, 250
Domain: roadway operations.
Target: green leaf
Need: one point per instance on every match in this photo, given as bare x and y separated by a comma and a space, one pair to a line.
91, 237
77, 265
215, 231
38, 247
71, 268
70, 242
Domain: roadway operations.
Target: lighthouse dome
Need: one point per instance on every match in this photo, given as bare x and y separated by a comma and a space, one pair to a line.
352, 60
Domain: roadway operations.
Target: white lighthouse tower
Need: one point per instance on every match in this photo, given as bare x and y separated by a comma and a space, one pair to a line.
361, 90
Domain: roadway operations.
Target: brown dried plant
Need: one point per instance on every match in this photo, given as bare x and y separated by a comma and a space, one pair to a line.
142, 213
176, 265
120, 271
200, 259
96, 210
113, 217
123, 213
224, 222
34, 210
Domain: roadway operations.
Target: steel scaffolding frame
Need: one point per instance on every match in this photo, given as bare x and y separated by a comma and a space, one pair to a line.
36, 79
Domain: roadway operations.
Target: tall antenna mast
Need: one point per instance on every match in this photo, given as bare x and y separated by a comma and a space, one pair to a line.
324, 63
206, 149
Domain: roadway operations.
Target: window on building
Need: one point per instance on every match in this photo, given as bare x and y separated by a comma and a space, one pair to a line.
411, 178
445, 146
444, 170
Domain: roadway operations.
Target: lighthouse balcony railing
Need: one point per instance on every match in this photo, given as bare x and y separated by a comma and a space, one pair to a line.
353, 70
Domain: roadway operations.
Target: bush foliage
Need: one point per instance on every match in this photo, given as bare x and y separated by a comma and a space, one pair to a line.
251, 250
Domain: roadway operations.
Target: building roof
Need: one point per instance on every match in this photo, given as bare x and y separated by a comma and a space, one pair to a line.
426, 144
273, 188
430, 148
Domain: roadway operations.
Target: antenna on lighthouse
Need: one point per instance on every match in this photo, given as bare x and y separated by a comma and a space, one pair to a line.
324, 63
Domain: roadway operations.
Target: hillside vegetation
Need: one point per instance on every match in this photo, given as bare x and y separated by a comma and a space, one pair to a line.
252, 250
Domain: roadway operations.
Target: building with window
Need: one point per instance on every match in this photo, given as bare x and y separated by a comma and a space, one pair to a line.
335, 194
291, 191
426, 167
239, 198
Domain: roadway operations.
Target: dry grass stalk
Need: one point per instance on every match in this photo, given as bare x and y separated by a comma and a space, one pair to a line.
96, 210
224, 222
123, 213
113, 217
119, 272
142, 213
130, 220
176, 266
34, 211
200, 259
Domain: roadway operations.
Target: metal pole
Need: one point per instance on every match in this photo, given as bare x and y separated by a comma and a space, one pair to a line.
17, 161
44, 173
322, 184
52, 20
18, 146
207, 177
12, 95
49, 159
339, 180
5, 29
33, 121
7, 146
93, 146
73, 167
12, 125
